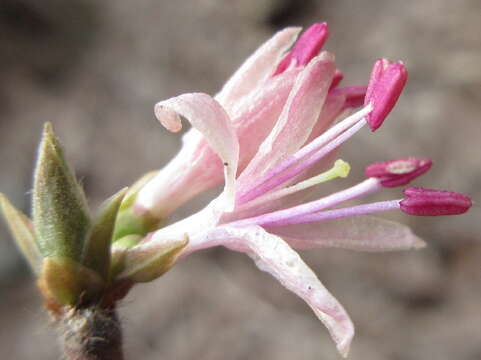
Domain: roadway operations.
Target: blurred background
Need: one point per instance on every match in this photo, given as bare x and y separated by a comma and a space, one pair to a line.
96, 69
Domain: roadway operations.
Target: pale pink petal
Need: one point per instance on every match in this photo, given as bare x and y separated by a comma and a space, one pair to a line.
209, 118
193, 170
255, 116
257, 67
332, 109
274, 256
298, 117
197, 167
362, 233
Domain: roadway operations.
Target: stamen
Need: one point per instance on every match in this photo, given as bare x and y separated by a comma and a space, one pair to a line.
385, 86
398, 172
333, 137
340, 169
364, 188
341, 213
427, 202
355, 95
307, 47
336, 80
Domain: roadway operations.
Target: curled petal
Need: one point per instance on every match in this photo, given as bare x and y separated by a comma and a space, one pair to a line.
273, 255
361, 233
208, 117
197, 168
257, 67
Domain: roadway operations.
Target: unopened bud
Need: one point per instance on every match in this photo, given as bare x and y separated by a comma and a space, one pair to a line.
60, 215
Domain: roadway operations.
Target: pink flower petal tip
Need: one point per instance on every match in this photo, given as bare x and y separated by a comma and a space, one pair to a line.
398, 172
427, 202
385, 85
307, 47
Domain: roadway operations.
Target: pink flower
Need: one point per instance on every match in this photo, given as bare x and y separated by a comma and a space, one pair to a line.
252, 101
270, 129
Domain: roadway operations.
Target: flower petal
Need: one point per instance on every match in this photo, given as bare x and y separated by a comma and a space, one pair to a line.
362, 233
197, 168
208, 117
255, 116
257, 67
274, 256
298, 117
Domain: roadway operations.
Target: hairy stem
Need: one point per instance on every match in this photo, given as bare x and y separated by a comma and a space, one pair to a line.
92, 333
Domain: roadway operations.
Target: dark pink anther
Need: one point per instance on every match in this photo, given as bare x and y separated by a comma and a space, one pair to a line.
307, 46
398, 172
427, 202
336, 80
385, 85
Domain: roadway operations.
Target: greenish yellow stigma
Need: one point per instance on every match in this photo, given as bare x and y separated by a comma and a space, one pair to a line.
341, 169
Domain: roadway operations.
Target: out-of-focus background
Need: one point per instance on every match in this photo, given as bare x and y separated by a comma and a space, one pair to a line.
96, 68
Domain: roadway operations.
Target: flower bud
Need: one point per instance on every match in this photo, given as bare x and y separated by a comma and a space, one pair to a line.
60, 215
427, 202
398, 172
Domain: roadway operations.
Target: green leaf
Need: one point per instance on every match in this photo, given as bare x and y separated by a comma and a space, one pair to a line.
22, 231
97, 248
147, 265
60, 213
69, 283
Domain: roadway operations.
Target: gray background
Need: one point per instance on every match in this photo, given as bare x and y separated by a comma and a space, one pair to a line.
96, 68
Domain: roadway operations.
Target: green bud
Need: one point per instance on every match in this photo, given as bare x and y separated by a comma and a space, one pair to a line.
147, 265
128, 221
22, 231
97, 248
60, 214
69, 283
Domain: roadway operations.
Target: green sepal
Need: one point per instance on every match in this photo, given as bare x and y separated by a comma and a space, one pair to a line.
131, 222
68, 282
22, 231
60, 213
119, 251
97, 248
147, 265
